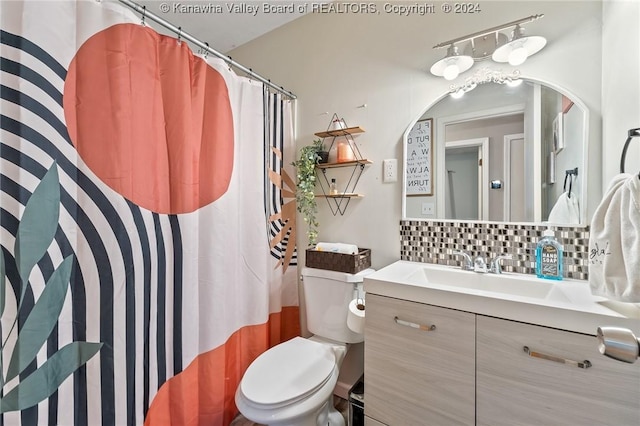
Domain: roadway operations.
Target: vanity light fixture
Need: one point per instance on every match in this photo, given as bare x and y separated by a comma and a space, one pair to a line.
489, 43
519, 48
452, 65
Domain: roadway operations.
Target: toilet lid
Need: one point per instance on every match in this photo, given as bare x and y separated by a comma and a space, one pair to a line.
287, 372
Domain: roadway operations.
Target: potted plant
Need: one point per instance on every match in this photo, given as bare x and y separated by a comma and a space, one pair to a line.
305, 186
318, 144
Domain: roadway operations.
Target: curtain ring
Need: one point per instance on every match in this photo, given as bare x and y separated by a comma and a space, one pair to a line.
179, 35
229, 63
206, 52
250, 74
144, 15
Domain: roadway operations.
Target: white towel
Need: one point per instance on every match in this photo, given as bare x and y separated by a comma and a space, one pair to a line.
566, 209
614, 243
338, 248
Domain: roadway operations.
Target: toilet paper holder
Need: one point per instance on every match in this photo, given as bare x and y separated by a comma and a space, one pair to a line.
356, 315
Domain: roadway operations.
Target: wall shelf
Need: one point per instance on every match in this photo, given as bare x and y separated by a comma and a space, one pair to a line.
343, 164
340, 132
343, 195
338, 203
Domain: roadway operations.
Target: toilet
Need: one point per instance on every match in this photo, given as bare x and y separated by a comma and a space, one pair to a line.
293, 382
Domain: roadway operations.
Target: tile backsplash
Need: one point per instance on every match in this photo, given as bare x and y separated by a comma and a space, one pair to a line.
435, 241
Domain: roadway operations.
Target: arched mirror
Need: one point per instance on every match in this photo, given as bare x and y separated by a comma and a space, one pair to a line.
501, 152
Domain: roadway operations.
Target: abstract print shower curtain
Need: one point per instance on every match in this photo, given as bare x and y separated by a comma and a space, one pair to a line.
145, 220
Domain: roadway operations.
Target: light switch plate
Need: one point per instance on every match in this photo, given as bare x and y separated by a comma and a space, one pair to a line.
390, 170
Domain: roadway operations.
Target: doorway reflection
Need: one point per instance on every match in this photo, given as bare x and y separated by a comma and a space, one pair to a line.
463, 185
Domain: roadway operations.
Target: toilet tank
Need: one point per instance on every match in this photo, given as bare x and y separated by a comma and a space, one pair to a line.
326, 301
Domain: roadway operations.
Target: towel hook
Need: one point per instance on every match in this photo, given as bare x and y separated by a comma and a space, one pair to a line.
632, 133
569, 174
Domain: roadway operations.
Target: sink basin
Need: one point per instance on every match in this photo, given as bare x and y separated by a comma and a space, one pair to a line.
567, 304
467, 281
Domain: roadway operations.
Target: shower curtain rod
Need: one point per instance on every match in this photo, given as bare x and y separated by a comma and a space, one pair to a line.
204, 46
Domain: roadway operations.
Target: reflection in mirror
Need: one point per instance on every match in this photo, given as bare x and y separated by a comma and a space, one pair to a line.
503, 153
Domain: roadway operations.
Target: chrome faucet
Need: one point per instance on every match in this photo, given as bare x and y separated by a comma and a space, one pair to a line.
494, 265
467, 264
480, 265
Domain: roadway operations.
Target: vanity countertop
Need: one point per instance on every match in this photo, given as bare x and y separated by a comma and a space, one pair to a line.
569, 306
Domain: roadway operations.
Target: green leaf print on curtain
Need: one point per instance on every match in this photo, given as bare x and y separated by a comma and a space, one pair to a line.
36, 232
37, 226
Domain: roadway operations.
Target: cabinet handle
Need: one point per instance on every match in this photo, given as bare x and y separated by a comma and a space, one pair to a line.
422, 327
580, 364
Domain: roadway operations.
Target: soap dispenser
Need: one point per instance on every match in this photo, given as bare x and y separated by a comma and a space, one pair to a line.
549, 257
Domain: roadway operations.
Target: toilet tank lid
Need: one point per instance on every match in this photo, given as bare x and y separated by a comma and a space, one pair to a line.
336, 275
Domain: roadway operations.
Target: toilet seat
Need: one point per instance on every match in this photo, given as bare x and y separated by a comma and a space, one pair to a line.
288, 373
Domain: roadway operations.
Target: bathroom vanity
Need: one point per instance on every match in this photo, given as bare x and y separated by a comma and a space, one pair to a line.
445, 346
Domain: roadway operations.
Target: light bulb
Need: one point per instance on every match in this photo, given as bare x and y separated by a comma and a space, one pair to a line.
518, 56
451, 72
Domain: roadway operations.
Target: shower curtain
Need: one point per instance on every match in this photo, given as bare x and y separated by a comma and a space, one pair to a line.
146, 221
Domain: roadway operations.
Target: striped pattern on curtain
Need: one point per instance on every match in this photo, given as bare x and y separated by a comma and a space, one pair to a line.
279, 185
132, 281
32, 135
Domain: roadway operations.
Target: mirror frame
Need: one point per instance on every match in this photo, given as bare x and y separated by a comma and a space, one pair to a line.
585, 161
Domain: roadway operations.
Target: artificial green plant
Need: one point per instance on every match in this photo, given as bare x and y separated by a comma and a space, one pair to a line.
305, 187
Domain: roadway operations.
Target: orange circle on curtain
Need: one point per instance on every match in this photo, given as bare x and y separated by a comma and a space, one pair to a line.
150, 119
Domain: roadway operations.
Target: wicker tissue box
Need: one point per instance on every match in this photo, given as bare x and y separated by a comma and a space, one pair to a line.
349, 263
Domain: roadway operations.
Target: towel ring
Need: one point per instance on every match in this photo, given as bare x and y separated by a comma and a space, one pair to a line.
632, 133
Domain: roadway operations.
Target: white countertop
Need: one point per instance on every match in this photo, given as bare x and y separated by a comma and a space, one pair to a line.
576, 310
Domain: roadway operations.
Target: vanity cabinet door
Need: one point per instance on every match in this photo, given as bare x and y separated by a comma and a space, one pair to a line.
419, 363
534, 387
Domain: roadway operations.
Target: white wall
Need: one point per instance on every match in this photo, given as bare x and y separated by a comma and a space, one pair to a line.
338, 62
620, 84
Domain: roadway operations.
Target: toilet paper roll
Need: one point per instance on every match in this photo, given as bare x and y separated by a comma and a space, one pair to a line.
355, 317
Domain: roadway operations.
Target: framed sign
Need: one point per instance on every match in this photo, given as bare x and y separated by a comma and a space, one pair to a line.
419, 159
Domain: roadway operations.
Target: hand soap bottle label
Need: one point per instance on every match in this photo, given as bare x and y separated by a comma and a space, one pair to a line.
550, 261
